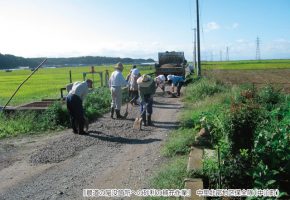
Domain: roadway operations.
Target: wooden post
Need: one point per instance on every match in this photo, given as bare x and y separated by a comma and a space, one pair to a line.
70, 78
101, 75
107, 78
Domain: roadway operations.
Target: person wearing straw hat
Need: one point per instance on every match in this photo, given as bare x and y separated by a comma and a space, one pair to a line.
116, 82
176, 81
147, 88
74, 102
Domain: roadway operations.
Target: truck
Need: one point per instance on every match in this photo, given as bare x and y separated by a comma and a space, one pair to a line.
170, 63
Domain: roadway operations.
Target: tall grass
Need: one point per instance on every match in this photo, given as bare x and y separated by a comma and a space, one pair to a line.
56, 117
170, 176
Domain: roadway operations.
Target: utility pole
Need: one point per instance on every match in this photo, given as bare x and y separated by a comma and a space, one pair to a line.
194, 46
258, 56
198, 41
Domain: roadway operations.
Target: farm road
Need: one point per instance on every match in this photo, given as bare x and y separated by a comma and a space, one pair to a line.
61, 165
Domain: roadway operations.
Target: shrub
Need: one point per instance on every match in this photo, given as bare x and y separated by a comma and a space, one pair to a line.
203, 88
97, 103
269, 97
272, 153
54, 117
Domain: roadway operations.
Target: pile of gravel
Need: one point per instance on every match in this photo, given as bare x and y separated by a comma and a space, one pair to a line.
112, 132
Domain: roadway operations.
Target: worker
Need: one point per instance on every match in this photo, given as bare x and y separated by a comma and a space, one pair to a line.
160, 82
175, 81
133, 86
116, 82
128, 76
147, 88
74, 102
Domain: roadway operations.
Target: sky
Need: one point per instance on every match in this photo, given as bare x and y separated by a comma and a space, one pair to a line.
142, 28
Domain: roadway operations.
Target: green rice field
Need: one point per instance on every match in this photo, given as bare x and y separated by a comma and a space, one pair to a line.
46, 82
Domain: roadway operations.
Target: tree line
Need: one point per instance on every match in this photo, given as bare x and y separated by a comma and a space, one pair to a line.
11, 61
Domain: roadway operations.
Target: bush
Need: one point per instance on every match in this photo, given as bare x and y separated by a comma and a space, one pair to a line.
272, 153
54, 117
203, 88
97, 103
269, 97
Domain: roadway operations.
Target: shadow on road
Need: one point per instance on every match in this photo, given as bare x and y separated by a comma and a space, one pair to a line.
167, 107
166, 125
110, 138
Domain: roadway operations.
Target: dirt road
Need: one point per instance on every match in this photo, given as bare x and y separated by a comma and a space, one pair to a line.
61, 165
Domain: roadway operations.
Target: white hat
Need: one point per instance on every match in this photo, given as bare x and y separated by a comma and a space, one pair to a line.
161, 77
169, 77
135, 72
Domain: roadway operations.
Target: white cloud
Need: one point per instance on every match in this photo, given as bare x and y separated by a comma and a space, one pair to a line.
212, 26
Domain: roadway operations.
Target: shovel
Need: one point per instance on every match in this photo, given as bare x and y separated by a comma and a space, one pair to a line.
138, 121
126, 113
86, 124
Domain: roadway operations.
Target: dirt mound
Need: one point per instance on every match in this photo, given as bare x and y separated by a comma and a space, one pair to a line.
61, 149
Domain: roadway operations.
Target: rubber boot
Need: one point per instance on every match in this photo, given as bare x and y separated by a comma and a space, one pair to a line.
144, 120
119, 116
81, 128
112, 112
149, 121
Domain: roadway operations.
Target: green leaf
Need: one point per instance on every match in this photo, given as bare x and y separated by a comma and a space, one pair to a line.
271, 182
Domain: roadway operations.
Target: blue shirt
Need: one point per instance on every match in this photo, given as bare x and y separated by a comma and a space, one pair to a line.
177, 79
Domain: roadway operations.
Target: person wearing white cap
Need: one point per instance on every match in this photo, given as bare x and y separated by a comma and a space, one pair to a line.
147, 88
133, 86
74, 101
160, 82
116, 82
176, 81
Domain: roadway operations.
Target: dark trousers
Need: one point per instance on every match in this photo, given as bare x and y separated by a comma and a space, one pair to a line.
146, 105
179, 86
75, 108
133, 96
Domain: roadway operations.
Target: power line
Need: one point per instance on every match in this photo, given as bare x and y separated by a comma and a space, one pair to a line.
227, 54
258, 54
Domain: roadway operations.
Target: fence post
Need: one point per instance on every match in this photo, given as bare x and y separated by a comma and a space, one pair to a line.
101, 75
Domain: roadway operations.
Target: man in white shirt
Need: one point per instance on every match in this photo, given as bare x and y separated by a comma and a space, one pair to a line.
116, 82
74, 102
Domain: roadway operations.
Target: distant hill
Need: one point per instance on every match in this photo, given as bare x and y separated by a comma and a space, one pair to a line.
11, 61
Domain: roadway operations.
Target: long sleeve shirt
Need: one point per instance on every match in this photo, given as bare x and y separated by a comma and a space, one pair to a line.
117, 79
80, 89
177, 79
